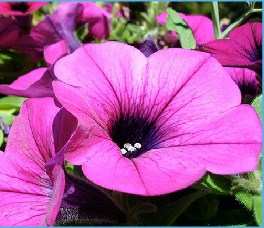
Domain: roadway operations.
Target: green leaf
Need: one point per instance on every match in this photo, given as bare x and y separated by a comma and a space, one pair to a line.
249, 182
204, 208
1, 138
10, 102
257, 104
9, 106
167, 214
245, 198
214, 183
142, 209
233, 217
136, 211
176, 23
69, 167
258, 209
7, 116
4, 57
209, 206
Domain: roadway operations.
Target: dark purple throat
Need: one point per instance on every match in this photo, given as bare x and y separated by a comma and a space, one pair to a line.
20, 6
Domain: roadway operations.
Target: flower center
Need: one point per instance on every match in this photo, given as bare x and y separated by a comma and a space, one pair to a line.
134, 135
256, 54
128, 149
20, 6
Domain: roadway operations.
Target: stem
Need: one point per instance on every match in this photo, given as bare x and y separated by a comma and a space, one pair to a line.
257, 11
216, 21
239, 21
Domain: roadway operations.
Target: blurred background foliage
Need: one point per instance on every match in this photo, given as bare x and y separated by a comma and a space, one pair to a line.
142, 19
230, 10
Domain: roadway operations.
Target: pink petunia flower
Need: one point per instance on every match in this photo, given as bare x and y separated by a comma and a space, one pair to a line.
34, 188
151, 126
19, 8
201, 26
248, 82
242, 49
55, 27
61, 25
98, 20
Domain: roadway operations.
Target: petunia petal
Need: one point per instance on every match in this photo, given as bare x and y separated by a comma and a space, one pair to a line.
29, 195
163, 171
55, 27
98, 83
153, 175
253, 36
57, 178
247, 81
182, 89
225, 145
119, 173
36, 83
243, 49
54, 51
86, 135
201, 26
161, 19
24, 191
98, 20
63, 127
32, 131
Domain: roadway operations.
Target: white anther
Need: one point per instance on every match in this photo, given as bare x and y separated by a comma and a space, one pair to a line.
131, 149
123, 151
127, 145
137, 145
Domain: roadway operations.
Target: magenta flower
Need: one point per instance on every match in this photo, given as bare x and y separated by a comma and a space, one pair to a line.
55, 27
34, 188
98, 20
201, 26
154, 125
242, 49
248, 82
19, 8
61, 25
9, 33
